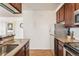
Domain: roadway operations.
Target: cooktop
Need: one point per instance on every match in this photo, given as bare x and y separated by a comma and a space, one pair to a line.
73, 47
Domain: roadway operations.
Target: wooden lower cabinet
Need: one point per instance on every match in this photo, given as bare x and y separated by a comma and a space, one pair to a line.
27, 52
27, 49
20, 52
58, 48
24, 51
55, 47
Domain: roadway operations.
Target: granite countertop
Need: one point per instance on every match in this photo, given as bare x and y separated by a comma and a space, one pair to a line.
5, 36
66, 40
20, 42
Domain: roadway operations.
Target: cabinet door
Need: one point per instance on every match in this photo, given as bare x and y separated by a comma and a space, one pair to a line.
62, 13
60, 50
24, 51
20, 52
69, 14
27, 49
55, 47
17, 6
77, 6
57, 17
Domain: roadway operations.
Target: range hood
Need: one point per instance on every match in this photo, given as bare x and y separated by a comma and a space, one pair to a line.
9, 8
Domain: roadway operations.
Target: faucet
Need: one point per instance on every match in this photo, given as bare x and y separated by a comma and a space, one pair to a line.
72, 35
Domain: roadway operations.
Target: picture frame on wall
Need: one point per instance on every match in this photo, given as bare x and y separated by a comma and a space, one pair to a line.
10, 26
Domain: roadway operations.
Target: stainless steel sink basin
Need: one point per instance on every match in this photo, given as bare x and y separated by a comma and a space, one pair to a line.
5, 49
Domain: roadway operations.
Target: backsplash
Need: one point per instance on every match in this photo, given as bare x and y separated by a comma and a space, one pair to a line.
16, 21
76, 32
2, 28
60, 31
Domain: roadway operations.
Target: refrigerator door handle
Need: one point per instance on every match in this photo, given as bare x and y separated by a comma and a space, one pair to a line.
52, 34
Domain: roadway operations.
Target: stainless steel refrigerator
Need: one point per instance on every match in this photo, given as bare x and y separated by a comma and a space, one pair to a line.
57, 30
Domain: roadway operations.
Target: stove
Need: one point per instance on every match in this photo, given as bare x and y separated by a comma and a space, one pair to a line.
73, 47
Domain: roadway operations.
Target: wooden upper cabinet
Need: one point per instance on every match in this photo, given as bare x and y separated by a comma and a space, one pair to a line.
66, 14
77, 6
57, 17
62, 13
69, 13
17, 6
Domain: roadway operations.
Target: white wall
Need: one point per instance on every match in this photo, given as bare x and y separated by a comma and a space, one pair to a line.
36, 27
16, 21
18, 29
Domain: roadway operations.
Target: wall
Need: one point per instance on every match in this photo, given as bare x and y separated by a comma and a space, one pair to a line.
36, 27
18, 29
16, 21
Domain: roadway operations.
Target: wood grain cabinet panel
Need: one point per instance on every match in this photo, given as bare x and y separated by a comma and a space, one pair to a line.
17, 6
58, 48
66, 14
62, 13
57, 17
77, 6
20, 52
55, 47
24, 51
69, 14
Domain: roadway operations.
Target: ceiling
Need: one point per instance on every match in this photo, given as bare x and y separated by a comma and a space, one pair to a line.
40, 6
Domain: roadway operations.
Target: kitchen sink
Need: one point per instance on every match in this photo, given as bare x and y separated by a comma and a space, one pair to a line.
5, 49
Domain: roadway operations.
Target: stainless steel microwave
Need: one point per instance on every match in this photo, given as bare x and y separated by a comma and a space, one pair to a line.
76, 17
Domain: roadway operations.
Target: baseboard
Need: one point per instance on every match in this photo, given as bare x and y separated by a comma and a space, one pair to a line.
40, 49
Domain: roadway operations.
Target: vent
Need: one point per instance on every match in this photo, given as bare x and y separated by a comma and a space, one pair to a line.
10, 8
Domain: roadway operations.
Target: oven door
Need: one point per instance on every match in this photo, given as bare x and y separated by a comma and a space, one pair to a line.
68, 53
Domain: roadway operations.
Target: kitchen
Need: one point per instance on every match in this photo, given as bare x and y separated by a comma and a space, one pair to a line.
39, 29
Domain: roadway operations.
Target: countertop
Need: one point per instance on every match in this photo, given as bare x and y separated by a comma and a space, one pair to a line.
66, 40
73, 48
20, 42
6, 36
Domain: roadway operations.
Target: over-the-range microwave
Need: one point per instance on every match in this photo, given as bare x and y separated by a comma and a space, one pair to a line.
76, 17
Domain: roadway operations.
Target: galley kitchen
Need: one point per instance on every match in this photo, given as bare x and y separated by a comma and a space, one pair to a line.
39, 29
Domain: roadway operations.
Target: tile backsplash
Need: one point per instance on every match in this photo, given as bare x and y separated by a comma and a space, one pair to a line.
60, 31
2, 28
76, 32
